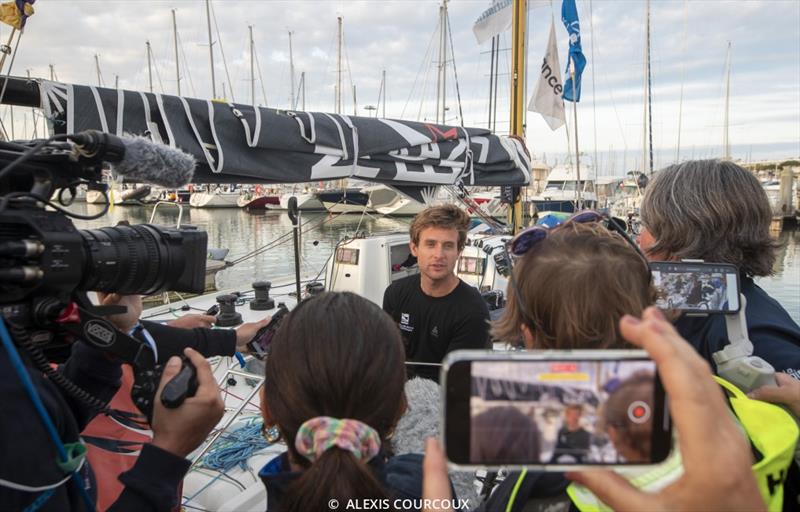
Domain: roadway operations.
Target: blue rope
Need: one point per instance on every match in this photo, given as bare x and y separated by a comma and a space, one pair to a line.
27, 383
236, 447
233, 449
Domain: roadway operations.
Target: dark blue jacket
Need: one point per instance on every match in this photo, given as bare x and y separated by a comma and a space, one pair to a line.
775, 336
401, 476
29, 457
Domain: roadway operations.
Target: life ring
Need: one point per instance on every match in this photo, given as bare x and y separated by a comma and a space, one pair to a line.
258, 190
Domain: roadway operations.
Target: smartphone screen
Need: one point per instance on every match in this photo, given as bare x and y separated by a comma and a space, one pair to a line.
260, 344
696, 287
555, 412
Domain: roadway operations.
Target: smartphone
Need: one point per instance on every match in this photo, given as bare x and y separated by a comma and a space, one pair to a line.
696, 287
553, 410
260, 344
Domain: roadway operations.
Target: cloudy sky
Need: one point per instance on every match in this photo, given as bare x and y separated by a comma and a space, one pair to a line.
689, 44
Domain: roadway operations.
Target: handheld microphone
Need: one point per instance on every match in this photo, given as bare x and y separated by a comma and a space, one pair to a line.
137, 158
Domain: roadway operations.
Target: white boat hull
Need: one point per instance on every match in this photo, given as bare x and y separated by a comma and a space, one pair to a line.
214, 200
305, 201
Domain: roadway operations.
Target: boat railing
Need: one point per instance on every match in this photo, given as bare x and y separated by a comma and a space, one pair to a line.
159, 203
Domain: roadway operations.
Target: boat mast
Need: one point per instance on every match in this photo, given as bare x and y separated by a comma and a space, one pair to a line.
355, 103
149, 65
303, 90
649, 92
491, 82
97, 68
726, 146
683, 77
292, 98
339, 68
177, 60
644, 89
52, 72
252, 68
517, 127
211, 50
383, 81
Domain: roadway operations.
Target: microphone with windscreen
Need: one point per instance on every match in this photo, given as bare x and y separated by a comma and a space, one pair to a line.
138, 159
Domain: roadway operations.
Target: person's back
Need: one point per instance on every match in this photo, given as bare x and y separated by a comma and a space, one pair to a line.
334, 391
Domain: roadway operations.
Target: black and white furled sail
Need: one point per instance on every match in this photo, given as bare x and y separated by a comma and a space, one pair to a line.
237, 143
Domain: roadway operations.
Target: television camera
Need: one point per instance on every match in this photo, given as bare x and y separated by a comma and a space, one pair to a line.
47, 265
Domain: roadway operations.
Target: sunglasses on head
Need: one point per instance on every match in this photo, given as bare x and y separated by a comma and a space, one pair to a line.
528, 238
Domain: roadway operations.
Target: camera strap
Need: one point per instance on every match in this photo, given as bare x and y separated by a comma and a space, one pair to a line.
69, 460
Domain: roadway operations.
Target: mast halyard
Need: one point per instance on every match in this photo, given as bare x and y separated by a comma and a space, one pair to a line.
211, 50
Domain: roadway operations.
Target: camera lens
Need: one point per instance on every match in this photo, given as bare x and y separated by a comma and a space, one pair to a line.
143, 259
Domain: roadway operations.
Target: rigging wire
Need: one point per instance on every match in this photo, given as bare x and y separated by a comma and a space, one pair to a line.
186, 63
222, 52
260, 76
455, 72
416, 78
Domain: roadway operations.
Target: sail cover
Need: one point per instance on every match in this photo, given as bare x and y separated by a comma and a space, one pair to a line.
238, 143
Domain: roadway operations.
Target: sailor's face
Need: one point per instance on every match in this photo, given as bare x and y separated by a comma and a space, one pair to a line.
437, 252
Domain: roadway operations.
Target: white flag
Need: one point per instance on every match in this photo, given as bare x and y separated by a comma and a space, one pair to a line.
498, 17
493, 21
547, 99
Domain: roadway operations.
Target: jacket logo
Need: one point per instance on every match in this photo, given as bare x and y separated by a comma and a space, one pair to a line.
435, 331
404, 318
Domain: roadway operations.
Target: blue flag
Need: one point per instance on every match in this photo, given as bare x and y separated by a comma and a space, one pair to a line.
569, 16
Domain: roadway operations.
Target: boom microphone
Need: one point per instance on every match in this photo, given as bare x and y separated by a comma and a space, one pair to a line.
138, 158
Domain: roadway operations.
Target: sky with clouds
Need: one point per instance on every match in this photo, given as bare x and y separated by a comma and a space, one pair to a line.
689, 45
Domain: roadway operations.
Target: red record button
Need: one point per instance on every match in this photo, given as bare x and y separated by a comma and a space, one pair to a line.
638, 412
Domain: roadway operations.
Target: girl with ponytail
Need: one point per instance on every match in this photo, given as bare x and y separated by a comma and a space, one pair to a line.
334, 392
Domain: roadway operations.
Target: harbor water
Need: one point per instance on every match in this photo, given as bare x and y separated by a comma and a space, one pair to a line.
244, 232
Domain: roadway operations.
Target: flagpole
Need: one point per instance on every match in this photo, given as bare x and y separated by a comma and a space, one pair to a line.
578, 205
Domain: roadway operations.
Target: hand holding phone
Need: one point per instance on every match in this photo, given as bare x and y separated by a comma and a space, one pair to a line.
716, 461
554, 409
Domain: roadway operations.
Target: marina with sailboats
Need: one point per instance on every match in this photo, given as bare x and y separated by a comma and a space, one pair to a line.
315, 150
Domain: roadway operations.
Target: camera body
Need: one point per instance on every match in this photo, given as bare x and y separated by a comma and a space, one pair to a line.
47, 264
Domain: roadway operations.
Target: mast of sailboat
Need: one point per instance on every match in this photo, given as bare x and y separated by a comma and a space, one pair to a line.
726, 146
52, 72
97, 68
177, 60
303, 90
683, 76
649, 93
491, 82
519, 17
383, 81
292, 97
355, 103
211, 50
149, 64
339, 67
381, 95
116, 81
33, 114
444, 60
252, 68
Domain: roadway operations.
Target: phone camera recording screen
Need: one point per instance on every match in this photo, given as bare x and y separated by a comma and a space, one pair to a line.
564, 412
698, 288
